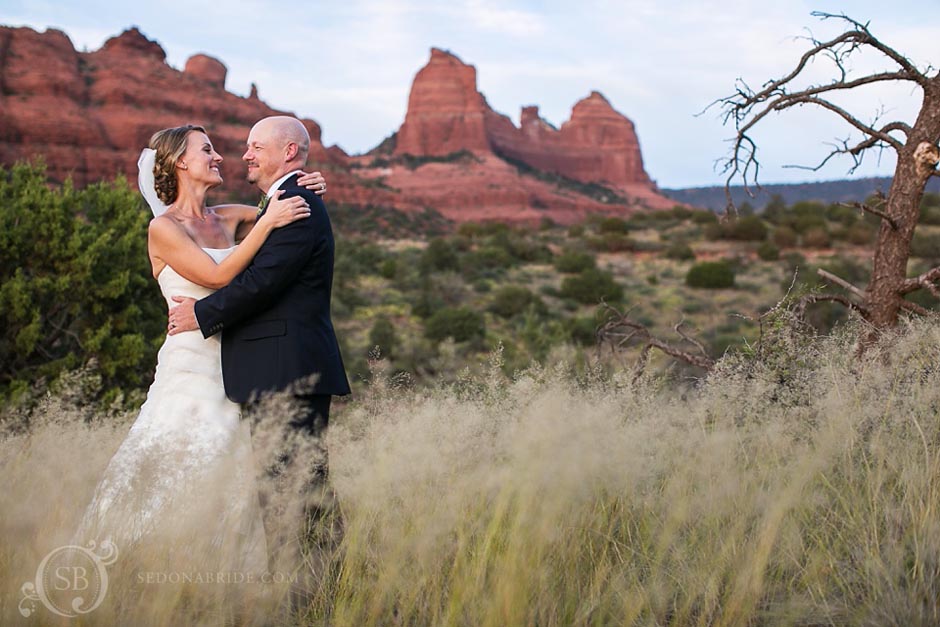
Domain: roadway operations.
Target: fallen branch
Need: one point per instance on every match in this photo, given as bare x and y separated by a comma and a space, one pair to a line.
620, 329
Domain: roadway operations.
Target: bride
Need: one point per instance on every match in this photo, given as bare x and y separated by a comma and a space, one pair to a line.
184, 477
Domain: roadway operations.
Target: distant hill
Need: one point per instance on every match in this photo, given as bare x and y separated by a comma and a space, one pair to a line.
824, 191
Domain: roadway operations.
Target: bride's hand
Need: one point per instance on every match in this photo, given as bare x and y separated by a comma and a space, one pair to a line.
313, 181
282, 212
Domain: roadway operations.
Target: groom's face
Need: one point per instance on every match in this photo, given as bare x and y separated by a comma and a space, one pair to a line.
264, 156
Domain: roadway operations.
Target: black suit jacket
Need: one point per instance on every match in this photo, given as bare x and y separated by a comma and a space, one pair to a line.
275, 315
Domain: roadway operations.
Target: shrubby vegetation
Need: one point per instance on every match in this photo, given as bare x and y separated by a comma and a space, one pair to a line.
440, 300
75, 284
710, 275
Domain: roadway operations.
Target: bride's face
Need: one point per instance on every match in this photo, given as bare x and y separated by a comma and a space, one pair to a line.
200, 162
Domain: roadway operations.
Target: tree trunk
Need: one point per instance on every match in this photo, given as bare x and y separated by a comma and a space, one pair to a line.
892, 251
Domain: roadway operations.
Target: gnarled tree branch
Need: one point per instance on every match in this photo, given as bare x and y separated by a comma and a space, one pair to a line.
620, 329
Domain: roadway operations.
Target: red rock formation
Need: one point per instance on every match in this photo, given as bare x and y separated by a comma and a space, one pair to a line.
446, 114
597, 144
445, 110
89, 114
208, 69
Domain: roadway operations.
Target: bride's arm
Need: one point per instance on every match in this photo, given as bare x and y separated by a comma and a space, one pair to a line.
169, 243
246, 215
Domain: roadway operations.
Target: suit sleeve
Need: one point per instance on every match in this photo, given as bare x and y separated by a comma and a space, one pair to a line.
274, 268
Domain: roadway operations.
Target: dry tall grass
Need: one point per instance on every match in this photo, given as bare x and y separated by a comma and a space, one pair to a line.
800, 489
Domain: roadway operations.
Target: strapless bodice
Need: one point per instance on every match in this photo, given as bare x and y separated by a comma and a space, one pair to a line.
172, 284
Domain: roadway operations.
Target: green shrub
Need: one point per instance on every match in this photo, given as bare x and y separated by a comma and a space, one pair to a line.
461, 323
925, 245
426, 303
592, 285
784, 237
75, 283
817, 237
768, 251
384, 336
511, 300
611, 243
710, 275
679, 251
575, 230
572, 261
388, 268
613, 225
487, 258
748, 228
582, 331
860, 234
929, 213
439, 256
704, 217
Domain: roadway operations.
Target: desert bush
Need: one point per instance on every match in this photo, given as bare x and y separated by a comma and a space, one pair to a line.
613, 225
572, 261
680, 251
926, 245
611, 242
460, 323
710, 275
383, 335
816, 237
704, 217
747, 228
511, 300
860, 233
439, 256
487, 258
75, 283
768, 251
784, 237
591, 286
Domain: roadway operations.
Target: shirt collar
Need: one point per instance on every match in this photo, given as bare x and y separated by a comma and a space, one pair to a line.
274, 186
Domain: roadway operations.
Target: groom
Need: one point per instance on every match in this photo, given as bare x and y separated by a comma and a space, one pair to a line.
275, 316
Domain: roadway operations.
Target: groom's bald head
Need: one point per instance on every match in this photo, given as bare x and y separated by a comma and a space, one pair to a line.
276, 145
285, 130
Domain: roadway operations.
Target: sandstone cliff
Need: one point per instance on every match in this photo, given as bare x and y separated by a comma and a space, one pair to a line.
88, 114
446, 114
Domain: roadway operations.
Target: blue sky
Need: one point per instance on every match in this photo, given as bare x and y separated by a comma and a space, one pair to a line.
349, 65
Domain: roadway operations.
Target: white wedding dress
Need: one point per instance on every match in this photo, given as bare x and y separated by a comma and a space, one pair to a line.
185, 473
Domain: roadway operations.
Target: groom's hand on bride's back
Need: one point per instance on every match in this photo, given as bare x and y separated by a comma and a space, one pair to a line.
182, 318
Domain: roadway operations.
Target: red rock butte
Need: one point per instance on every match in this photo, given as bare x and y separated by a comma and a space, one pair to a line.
88, 114
447, 114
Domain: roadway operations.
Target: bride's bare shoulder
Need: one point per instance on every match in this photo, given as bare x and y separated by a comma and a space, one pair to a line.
164, 228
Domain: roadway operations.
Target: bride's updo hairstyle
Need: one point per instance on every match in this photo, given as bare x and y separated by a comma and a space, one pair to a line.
169, 144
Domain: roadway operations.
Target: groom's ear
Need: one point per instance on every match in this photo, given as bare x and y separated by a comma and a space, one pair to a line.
290, 152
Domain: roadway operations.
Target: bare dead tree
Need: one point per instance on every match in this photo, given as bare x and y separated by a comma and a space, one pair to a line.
621, 330
914, 144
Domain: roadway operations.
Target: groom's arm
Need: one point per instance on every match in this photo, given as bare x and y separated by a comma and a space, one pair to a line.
273, 270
